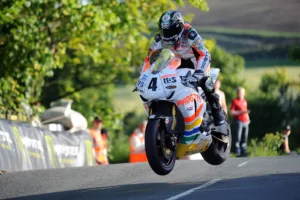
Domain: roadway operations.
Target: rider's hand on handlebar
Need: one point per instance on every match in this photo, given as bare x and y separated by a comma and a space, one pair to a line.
191, 81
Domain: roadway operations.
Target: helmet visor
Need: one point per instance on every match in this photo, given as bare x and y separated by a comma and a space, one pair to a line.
171, 34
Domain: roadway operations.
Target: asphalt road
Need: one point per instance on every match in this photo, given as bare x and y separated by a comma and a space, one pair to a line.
276, 178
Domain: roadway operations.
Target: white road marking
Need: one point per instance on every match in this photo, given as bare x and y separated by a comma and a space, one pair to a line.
193, 189
242, 164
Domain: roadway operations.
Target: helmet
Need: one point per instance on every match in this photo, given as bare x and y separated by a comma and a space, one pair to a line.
171, 26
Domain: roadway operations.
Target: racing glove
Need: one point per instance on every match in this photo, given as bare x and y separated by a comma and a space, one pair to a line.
193, 80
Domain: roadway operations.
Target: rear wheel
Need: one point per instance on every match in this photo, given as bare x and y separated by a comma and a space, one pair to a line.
219, 149
160, 157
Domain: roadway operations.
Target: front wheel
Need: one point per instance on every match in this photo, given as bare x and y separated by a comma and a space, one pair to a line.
160, 158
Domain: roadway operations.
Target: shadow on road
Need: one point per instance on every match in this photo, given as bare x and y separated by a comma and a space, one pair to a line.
257, 187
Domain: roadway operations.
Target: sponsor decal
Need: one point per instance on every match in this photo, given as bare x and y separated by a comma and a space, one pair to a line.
166, 120
189, 99
166, 18
32, 144
5, 138
141, 84
171, 87
166, 21
66, 150
169, 80
190, 108
144, 78
205, 60
192, 35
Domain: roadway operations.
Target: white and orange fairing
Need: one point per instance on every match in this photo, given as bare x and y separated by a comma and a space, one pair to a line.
165, 84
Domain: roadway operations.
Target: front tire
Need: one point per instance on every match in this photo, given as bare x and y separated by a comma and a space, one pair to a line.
160, 158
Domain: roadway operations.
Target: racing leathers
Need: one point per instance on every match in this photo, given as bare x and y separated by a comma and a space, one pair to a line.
190, 48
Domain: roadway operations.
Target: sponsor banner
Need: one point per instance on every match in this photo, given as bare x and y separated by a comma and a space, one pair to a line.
24, 147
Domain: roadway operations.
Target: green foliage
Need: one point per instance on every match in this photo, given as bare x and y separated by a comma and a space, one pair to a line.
274, 84
295, 53
298, 150
119, 142
132, 120
268, 146
58, 49
231, 67
39, 38
34, 38
119, 148
276, 104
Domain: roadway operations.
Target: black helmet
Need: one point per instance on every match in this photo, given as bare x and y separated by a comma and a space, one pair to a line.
171, 26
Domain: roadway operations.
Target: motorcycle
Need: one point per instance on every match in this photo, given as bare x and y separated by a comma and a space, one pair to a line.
179, 119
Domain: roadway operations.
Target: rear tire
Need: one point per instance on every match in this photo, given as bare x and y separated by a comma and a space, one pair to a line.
154, 144
218, 151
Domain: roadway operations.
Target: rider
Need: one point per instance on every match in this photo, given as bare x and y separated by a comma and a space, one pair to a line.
186, 43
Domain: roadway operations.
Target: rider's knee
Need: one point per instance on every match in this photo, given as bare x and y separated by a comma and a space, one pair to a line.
207, 83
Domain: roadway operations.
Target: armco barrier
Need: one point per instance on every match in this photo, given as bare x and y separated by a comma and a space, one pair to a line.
24, 147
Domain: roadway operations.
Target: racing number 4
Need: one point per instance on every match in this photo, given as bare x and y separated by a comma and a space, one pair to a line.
153, 84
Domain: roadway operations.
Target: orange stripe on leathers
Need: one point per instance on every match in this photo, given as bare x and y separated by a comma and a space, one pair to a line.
201, 54
192, 117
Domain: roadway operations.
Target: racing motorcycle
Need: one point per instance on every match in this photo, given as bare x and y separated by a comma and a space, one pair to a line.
179, 119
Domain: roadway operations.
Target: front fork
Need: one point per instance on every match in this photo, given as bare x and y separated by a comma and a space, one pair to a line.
168, 123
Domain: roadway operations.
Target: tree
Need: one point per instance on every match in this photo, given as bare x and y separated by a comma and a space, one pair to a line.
276, 104
35, 38
230, 67
98, 43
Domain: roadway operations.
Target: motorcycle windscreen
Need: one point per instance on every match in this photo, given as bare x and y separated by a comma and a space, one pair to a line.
165, 59
214, 72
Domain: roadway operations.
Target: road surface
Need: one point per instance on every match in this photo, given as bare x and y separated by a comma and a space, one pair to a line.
276, 178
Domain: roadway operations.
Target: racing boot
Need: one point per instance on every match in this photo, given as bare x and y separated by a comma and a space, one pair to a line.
216, 109
206, 83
